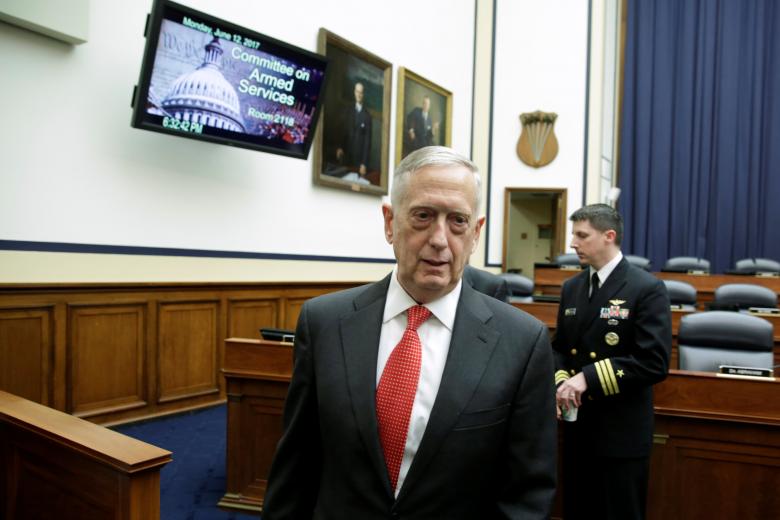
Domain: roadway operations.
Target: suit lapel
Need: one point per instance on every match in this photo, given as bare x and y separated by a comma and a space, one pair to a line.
471, 347
614, 283
360, 332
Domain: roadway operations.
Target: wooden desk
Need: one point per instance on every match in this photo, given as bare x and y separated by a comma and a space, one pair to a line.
545, 312
706, 284
54, 465
257, 374
549, 278
717, 448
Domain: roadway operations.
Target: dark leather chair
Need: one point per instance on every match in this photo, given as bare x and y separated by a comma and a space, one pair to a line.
683, 264
707, 340
743, 296
567, 259
639, 261
521, 288
682, 295
756, 265
486, 282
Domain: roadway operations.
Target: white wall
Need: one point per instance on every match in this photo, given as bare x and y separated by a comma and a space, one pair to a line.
74, 171
68, 156
541, 64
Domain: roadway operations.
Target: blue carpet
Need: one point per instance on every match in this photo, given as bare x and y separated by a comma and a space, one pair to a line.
194, 482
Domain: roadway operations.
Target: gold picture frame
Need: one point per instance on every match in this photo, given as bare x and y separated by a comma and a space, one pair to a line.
351, 146
416, 125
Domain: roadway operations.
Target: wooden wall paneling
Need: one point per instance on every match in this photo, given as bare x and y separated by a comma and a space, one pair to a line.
188, 353
83, 338
106, 348
60, 369
729, 474
153, 350
706, 469
292, 309
27, 352
247, 316
223, 325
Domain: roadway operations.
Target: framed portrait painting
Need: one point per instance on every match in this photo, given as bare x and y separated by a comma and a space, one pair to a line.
351, 148
424, 114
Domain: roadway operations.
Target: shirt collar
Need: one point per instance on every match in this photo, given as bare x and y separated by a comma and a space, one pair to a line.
607, 269
358, 107
398, 301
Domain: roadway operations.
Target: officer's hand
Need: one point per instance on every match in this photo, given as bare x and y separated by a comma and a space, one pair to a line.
570, 392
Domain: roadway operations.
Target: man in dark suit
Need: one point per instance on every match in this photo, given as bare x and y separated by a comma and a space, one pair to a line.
420, 127
356, 139
486, 283
455, 420
612, 343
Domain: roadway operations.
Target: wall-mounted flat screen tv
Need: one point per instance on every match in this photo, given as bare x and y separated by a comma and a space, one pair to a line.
209, 79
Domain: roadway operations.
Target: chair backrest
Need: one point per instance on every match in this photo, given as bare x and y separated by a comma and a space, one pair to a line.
682, 264
707, 340
681, 294
639, 261
744, 295
521, 288
756, 265
567, 259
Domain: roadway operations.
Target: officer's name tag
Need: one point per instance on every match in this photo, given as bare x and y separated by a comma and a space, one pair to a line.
571, 311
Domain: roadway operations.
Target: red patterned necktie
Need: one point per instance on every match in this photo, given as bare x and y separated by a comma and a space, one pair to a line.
396, 390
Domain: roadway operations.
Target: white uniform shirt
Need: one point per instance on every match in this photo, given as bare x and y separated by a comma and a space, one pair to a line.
606, 270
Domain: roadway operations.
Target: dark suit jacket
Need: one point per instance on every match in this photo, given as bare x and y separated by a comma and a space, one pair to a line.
488, 450
423, 130
631, 309
486, 283
357, 136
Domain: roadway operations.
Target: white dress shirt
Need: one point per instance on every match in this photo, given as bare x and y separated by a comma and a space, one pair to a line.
606, 270
435, 335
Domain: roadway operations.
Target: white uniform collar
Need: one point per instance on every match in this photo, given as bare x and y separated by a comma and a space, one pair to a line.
607, 269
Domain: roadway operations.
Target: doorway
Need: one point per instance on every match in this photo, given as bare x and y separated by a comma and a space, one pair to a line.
534, 228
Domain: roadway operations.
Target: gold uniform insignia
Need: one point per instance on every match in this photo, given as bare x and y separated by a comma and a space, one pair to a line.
617, 302
612, 339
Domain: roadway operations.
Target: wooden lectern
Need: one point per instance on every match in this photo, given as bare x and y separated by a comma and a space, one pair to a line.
257, 374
